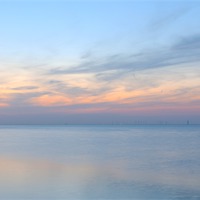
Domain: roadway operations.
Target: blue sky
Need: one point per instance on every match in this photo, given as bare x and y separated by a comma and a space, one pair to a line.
99, 58
73, 28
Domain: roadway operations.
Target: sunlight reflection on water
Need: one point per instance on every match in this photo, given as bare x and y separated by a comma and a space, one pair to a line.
97, 162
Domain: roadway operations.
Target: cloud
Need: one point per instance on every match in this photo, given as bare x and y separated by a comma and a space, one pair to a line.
4, 104
25, 88
184, 50
22, 99
119, 79
166, 19
65, 88
188, 43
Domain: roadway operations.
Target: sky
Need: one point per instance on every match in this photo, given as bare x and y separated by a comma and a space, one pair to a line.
97, 62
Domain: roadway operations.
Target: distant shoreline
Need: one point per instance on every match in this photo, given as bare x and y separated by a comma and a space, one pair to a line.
195, 124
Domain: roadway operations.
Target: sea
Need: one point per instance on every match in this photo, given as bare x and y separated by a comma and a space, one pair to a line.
137, 162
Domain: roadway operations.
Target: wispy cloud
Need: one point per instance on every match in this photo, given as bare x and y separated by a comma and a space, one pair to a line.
188, 43
166, 19
25, 88
114, 78
184, 50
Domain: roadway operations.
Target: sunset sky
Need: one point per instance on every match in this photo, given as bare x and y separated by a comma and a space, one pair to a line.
99, 62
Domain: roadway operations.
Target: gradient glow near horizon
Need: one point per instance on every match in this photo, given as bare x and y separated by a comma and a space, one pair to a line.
99, 61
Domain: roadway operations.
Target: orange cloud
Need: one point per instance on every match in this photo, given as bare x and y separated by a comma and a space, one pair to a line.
51, 100
160, 86
4, 104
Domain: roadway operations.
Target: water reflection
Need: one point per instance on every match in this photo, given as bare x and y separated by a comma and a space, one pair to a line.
126, 163
29, 178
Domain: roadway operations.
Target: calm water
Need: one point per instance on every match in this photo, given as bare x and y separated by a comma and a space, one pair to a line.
100, 162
